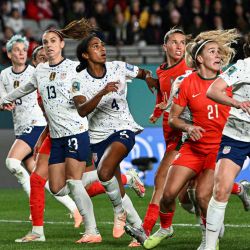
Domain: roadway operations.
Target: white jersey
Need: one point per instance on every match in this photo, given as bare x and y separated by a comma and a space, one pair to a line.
27, 111
112, 113
54, 83
238, 123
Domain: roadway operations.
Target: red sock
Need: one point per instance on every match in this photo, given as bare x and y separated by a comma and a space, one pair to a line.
37, 199
150, 218
236, 188
95, 188
166, 219
124, 179
204, 221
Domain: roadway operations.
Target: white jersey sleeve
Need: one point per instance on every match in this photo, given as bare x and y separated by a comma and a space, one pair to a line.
238, 76
54, 85
21, 90
112, 113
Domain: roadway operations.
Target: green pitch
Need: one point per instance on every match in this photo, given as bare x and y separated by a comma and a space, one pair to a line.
60, 233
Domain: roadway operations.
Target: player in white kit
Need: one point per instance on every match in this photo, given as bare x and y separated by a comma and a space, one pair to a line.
235, 144
28, 118
68, 131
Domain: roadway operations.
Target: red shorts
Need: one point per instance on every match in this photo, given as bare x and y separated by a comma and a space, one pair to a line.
172, 137
46, 146
195, 161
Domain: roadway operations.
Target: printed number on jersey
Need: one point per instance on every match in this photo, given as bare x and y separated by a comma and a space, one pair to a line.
213, 111
72, 143
114, 105
18, 102
51, 90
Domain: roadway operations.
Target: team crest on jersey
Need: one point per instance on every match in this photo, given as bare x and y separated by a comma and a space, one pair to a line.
176, 94
95, 157
16, 84
75, 86
226, 150
52, 76
130, 67
231, 70
63, 75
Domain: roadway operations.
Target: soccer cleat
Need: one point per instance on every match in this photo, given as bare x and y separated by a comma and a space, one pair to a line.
216, 248
136, 183
137, 233
30, 237
90, 238
155, 239
203, 239
119, 223
134, 243
243, 195
78, 219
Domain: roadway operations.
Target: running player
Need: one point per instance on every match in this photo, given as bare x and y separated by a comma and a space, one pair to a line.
235, 143
28, 118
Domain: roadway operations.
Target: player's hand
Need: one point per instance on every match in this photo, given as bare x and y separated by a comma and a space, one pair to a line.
152, 83
195, 132
162, 105
153, 119
110, 87
245, 106
9, 106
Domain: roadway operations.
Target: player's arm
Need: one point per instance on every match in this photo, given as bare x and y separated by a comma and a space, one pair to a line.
146, 75
195, 132
84, 106
216, 92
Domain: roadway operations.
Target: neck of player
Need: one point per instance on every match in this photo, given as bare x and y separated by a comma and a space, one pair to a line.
17, 68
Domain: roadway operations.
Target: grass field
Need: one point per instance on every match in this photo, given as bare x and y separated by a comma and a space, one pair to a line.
60, 233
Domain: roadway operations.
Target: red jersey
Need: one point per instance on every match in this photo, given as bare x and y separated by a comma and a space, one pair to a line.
166, 76
206, 113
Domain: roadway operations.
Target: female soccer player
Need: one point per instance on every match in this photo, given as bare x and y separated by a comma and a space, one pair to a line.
235, 143
28, 118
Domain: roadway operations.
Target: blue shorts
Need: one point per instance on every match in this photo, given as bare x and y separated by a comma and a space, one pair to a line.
74, 146
126, 137
235, 150
31, 135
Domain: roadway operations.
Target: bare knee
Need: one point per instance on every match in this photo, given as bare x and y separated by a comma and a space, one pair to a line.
168, 198
221, 192
104, 174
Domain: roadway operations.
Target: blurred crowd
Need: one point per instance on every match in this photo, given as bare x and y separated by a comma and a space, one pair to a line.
127, 22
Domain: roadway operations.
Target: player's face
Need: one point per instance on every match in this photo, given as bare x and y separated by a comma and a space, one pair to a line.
175, 47
52, 45
18, 54
96, 51
40, 57
210, 57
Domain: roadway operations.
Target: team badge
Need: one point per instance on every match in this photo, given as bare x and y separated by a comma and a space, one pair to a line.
226, 150
63, 75
75, 86
16, 84
176, 94
231, 70
130, 67
95, 157
52, 76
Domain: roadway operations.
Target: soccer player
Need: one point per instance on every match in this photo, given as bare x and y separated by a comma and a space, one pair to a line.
235, 143
175, 65
196, 158
28, 118
68, 131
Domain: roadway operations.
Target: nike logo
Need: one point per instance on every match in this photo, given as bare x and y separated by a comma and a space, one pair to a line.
194, 95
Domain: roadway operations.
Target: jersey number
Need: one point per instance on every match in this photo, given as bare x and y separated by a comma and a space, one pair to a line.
51, 92
114, 104
18, 102
72, 143
213, 111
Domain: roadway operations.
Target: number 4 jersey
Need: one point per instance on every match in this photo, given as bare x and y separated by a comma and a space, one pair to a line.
206, 113
112, 113
27, 112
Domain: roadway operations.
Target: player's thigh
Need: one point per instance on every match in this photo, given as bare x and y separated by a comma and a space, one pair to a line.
19, 150
42, 165
74, 168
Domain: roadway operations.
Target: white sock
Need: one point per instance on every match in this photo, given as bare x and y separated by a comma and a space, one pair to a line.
20, 172
215, 218
113, 191
38, 230
89, 177
84, 204
65, 200
132, 216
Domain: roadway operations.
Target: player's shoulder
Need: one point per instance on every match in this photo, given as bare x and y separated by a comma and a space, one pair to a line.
6, 71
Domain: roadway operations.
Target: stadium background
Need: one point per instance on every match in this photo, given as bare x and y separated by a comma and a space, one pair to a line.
133, 31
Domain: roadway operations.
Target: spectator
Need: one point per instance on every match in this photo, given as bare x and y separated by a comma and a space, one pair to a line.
152, 33
134, 31
77, 10
38, 9
8, 33
240, 20
15, 21
197, 26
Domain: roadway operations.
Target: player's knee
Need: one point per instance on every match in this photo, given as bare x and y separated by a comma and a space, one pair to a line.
13, 165
59, 192
168, 198
104, 174
221, 193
